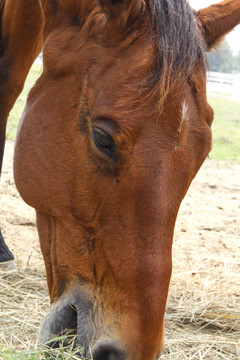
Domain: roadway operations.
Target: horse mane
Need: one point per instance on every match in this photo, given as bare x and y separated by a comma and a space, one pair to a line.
176, 35
172, 28
179, 42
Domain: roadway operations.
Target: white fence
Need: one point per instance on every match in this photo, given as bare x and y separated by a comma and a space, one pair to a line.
224, 85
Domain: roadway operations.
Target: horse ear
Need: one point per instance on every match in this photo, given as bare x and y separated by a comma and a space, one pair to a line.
218, 19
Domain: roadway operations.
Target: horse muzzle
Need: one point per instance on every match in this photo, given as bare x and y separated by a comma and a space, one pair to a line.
73, 314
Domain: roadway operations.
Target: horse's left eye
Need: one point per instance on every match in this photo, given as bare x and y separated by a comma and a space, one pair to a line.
103, 142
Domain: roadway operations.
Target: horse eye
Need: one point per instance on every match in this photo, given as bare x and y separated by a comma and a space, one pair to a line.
103, 142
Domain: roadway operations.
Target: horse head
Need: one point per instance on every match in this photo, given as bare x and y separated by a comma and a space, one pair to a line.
113, 133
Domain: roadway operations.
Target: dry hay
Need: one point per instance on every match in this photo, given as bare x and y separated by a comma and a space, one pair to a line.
202, 320
23, 303
203, 312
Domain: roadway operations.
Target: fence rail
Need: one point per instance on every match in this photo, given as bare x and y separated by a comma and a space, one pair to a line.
224, 85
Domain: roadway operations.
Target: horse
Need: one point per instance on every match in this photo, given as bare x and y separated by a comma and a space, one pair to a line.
113, 132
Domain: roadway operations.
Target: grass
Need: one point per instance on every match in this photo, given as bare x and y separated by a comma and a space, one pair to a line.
226, 125
40, 354
17, 110
226, 130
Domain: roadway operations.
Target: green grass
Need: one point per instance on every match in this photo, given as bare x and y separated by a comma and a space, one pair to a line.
17, 110
42, 354
23, 355
226, 125
64, 352
226, 130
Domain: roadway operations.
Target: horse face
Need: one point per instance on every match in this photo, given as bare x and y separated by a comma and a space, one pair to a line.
110, 171
110, 176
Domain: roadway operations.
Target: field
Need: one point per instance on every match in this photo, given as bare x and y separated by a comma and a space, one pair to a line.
202, 319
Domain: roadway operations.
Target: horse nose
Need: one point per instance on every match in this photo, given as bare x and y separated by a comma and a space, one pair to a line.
107, 350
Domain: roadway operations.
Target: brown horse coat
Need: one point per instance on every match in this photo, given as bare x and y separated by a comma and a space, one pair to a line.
112, 135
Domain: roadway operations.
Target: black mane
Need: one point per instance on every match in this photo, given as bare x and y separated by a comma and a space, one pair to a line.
178, 39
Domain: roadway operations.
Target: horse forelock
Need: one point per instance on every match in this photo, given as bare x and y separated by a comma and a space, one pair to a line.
179, 43
173, 30
170, 25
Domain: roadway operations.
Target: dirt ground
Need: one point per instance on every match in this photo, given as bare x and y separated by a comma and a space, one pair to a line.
204, 297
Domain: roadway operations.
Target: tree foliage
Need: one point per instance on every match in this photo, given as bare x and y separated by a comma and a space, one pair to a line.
223, 60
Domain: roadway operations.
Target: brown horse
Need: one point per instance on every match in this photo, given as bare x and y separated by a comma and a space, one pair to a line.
112, 135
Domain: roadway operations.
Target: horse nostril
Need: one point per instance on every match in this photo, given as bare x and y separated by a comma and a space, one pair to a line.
107, 350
